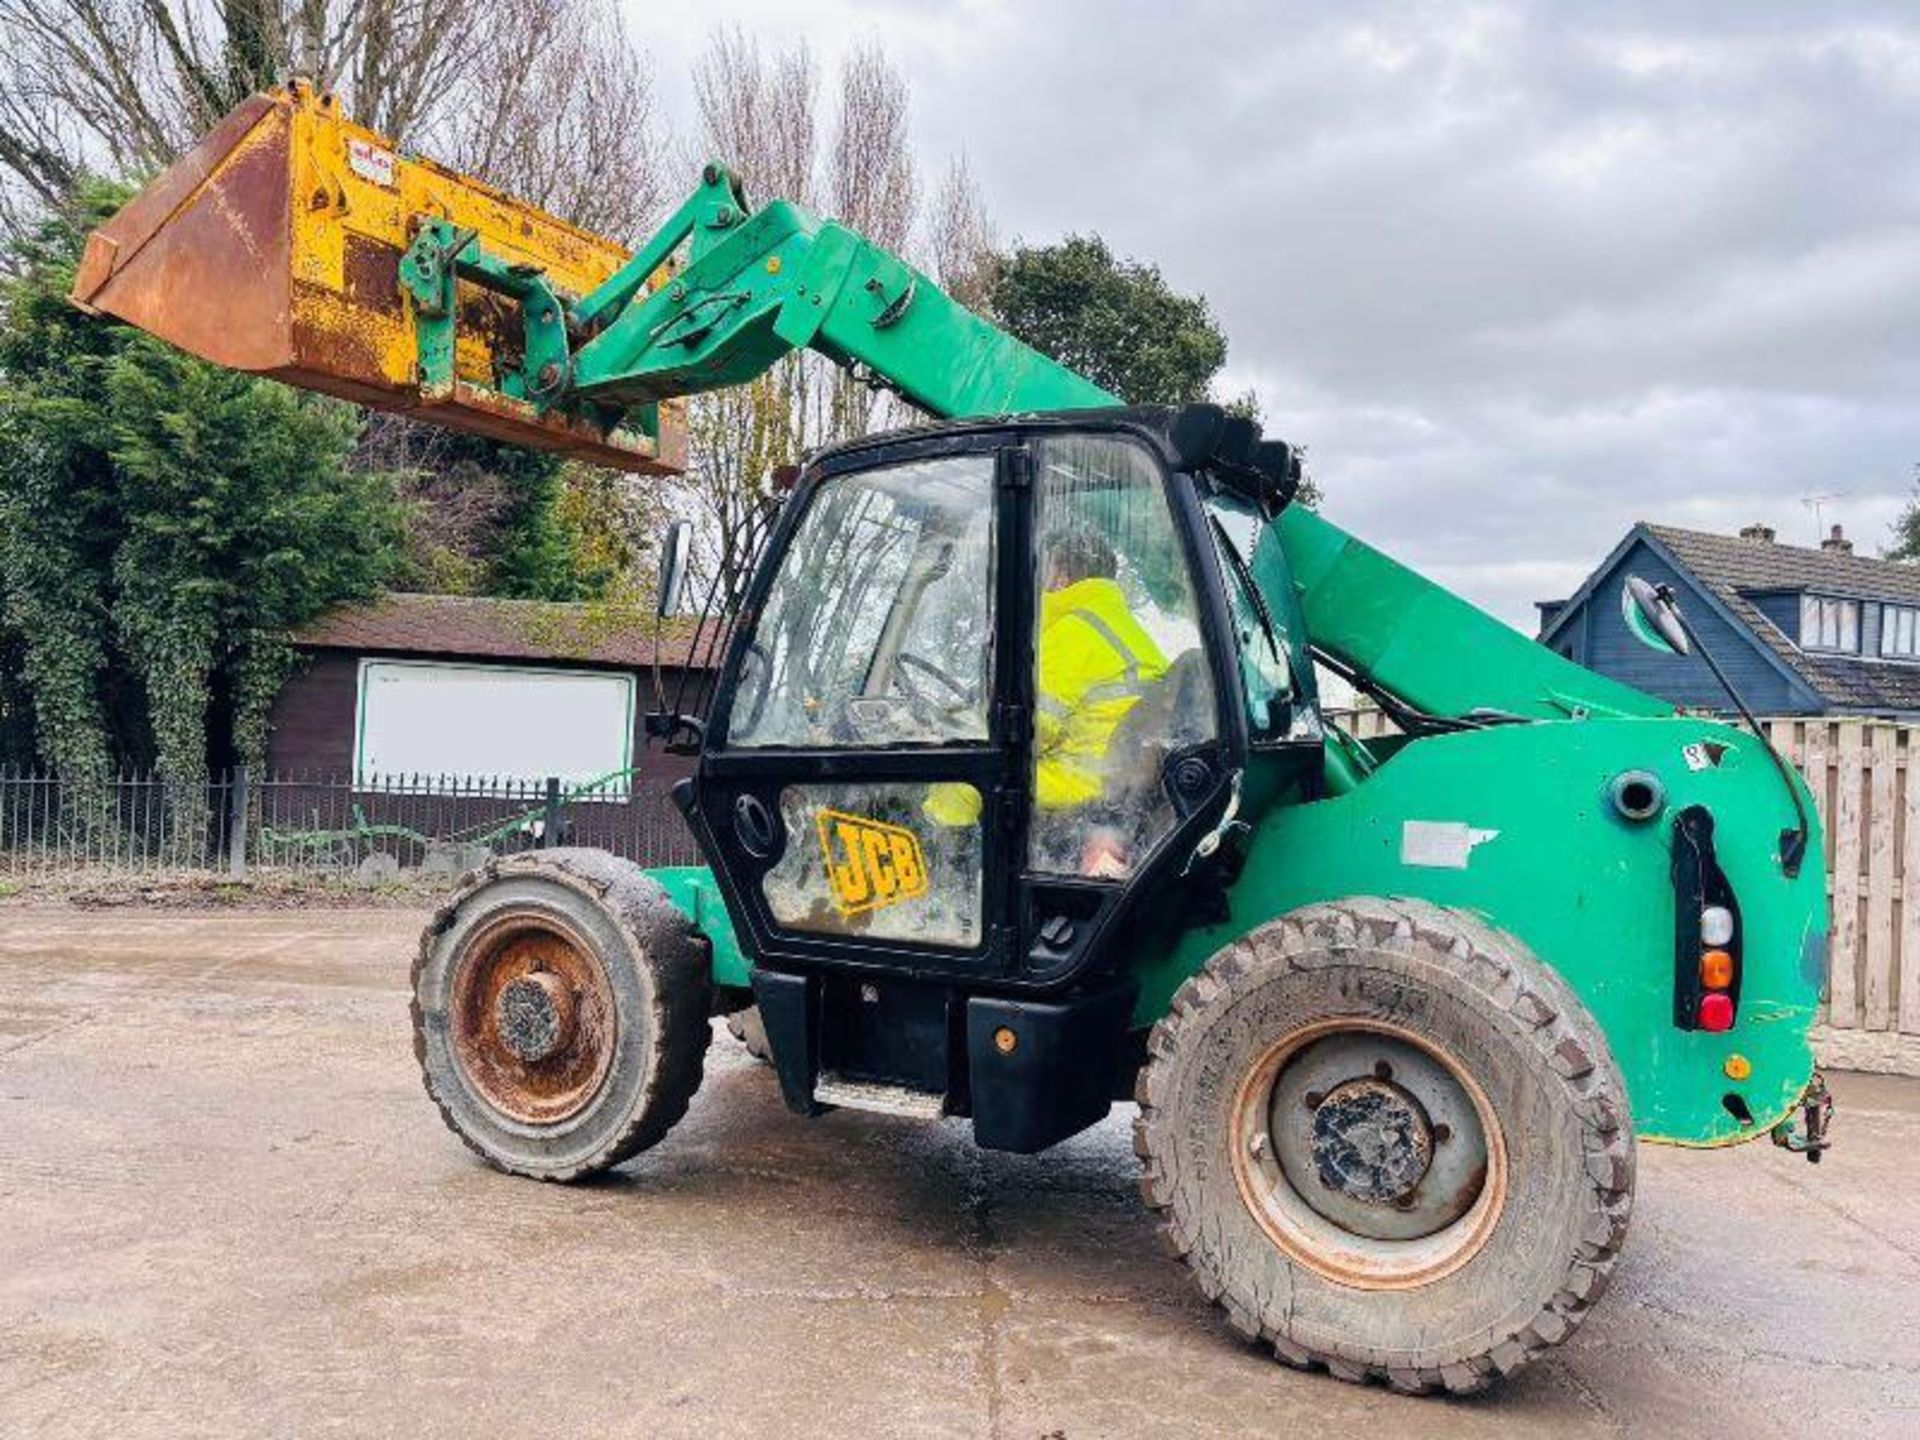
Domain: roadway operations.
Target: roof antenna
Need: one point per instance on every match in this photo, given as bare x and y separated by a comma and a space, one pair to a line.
1814, 502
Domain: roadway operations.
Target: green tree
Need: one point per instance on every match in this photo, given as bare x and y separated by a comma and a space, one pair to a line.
59, 524
163, 525
1118, 323
1115, 321
488, 518
1906, 529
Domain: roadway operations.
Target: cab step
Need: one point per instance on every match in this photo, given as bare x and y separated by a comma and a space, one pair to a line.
877, 1097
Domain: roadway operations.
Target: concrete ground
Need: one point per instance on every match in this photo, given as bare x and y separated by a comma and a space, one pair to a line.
227, 1208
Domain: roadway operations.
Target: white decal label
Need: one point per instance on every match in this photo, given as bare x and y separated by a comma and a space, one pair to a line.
1440, 844
370, 162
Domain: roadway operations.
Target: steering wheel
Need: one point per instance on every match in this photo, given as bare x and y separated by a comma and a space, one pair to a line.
962, 694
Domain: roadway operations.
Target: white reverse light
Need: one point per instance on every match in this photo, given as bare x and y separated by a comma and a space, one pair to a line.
1716, 925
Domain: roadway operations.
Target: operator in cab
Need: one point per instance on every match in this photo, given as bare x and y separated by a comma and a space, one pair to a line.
1095, 662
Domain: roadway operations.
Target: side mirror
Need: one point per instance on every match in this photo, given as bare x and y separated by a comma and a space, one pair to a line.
675, 550
1653, 615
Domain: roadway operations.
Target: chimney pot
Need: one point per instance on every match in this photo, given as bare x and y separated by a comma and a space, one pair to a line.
1761, 533
1837, 543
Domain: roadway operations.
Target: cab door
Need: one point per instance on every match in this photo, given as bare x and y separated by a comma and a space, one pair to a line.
1130, 761
854, 789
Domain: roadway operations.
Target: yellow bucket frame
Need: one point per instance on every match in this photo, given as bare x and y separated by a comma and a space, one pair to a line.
274, 247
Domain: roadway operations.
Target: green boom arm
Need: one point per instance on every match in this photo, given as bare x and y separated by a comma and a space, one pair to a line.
757, 285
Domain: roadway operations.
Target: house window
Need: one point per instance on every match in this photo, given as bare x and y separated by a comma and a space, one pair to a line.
1900, 631
1827, 624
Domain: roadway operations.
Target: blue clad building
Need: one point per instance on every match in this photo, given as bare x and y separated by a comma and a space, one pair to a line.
1801, 631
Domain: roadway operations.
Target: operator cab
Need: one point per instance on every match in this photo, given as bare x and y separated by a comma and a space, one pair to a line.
995, 700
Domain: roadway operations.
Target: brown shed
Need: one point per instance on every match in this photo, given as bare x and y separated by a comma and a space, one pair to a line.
452, 686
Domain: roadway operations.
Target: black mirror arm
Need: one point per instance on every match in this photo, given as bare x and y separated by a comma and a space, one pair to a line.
1793, 843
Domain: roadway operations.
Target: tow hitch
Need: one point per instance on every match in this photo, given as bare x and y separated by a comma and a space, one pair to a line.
1807, 1134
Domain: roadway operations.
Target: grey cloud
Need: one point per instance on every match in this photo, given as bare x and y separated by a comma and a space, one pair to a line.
1518, 274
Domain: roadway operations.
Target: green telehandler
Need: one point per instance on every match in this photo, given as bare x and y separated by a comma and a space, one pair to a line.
1015, 793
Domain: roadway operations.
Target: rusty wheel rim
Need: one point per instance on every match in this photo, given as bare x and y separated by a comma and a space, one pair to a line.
531, 1018
1332, 1165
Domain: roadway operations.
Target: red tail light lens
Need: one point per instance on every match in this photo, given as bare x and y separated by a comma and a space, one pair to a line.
1716, 1012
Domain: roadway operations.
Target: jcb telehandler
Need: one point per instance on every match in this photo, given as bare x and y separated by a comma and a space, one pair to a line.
1014, 791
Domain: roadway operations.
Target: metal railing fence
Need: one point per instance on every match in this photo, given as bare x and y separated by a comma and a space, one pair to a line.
314, 823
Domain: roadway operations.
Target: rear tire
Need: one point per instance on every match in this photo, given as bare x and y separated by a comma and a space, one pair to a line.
1315, 1205
560, 1012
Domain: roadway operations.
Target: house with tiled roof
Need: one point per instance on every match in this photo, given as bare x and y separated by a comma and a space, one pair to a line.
458, 687
1801, 630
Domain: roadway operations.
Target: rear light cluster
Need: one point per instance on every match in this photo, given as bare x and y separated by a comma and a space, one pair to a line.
1716, 968
1706, 988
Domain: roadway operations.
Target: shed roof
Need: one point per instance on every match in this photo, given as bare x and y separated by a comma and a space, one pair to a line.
612, 635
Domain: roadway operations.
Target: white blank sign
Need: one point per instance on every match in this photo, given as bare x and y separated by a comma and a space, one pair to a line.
437, 720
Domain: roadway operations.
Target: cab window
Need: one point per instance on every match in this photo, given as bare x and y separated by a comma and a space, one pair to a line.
1275, 671
878, 629
1121, 680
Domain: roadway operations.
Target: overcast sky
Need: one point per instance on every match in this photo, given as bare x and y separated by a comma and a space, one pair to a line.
1517, 275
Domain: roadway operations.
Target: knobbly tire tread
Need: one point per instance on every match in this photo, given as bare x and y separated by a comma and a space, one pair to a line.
1566, 1040
665, 943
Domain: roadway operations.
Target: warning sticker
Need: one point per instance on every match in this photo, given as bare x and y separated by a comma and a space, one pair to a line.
370, 162
869, 865
1441, 844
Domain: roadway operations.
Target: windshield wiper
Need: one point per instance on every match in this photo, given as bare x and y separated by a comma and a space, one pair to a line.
1244, 574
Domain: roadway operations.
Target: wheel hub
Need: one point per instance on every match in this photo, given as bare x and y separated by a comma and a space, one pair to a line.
534, 1016
1371, 1141
531, 1017
1368, 1153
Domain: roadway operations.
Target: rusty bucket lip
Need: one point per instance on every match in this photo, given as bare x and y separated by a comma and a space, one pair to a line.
114, 245
1308, 1239
486, 1065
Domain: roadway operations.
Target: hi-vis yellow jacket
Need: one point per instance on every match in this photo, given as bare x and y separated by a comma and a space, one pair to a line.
1094, 661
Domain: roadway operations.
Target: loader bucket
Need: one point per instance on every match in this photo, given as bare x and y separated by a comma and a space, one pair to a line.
274, 247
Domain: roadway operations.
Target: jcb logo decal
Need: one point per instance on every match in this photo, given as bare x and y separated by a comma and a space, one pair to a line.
870, 865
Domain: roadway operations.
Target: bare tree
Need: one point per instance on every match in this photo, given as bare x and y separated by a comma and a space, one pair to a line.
548, 95
563, 116
874, 190
960, 242
758, 116
763, 116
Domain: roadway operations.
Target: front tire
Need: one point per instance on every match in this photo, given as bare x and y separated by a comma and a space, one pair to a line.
1388, 1142
560, 1012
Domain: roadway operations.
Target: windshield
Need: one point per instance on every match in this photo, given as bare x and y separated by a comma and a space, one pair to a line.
1276, 671
879, 626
